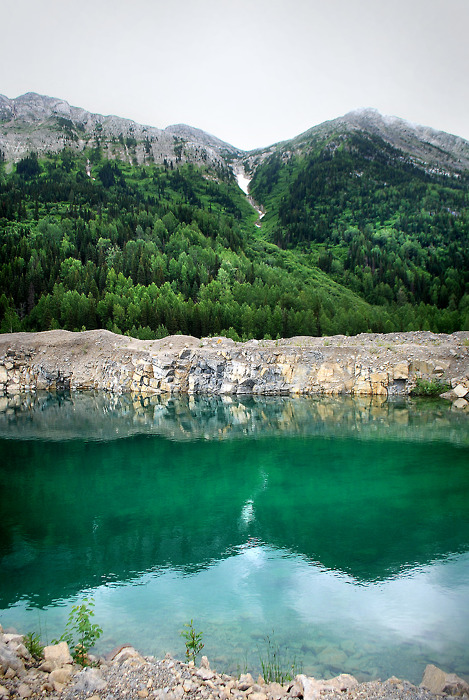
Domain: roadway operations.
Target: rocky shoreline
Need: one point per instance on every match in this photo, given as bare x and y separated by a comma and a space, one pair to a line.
367, 364
125, 673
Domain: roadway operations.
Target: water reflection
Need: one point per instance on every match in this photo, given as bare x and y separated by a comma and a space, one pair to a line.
102, 416
340, 523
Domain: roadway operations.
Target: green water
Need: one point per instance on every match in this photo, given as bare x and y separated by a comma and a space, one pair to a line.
339, 528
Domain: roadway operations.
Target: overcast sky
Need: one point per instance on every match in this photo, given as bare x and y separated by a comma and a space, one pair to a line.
251, 72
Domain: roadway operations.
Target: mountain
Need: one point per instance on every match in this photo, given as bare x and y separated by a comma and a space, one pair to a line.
365, 229
379, 204
46, 124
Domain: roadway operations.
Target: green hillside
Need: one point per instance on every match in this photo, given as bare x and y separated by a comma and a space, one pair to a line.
155, 250
376, 220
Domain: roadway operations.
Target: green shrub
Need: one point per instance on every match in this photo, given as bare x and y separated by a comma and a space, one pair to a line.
429, 387
193, 641
33, 644
80, 634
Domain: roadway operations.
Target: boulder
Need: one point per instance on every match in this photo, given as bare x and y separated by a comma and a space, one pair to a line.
460, 403
449, 395
89, 680
61, 675
401, 370
8, 659
57, 655
311, 688
461, 391
437, 681
126, 653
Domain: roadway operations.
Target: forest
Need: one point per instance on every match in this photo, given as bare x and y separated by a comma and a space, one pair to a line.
392, 230
154, 250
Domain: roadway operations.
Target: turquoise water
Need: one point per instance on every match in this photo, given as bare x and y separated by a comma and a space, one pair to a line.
338, 528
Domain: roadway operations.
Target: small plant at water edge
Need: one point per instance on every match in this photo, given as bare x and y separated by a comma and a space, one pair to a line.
80, 634
193, 639
276, 668
429, 387
33, 644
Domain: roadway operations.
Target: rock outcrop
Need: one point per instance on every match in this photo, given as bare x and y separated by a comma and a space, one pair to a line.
368, 364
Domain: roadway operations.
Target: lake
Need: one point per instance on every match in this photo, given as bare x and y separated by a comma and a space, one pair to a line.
338, 529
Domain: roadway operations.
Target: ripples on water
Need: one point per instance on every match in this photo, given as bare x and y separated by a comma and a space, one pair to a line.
339, 528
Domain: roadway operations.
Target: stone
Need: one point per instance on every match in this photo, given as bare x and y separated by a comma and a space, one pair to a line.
401, 370
13, 639
460, 391
89, 680
58, 655
245, 681
128, 652
46, 666
60, 675
449, 395
276, 691
8, 659
112, 654
311, 688
24, 691
4, 692
205, 674
343, 682
437, 681
143, 693
21, 650
460, 403
204, 663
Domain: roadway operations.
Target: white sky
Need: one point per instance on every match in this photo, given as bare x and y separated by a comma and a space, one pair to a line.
251, 72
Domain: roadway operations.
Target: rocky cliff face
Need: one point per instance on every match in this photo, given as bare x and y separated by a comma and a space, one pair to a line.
38, 123
377, 365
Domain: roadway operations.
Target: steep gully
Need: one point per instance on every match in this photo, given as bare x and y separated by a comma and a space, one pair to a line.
243, 182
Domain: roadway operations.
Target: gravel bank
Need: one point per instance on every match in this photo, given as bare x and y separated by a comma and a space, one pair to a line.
125, 673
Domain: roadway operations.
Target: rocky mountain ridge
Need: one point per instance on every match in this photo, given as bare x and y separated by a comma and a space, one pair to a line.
435, 151
44, 124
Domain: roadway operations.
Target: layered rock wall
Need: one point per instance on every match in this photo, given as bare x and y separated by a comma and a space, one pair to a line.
368, 364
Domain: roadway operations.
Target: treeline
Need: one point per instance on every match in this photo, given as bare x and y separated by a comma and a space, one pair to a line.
384, 227
153, 250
